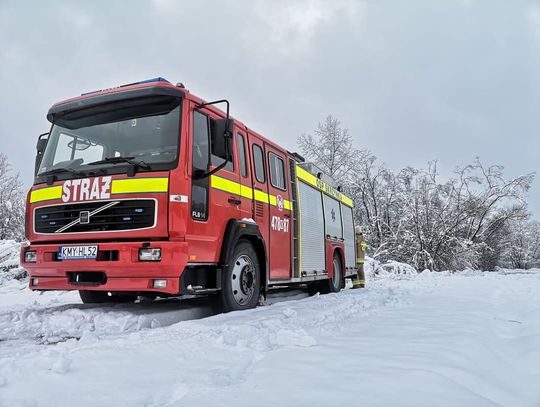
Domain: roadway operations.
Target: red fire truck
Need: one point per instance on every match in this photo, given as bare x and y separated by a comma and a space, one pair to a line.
146, 189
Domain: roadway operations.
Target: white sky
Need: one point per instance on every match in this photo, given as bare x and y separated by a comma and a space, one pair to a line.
413, 81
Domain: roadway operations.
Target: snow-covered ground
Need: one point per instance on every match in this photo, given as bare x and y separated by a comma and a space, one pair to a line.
433, 339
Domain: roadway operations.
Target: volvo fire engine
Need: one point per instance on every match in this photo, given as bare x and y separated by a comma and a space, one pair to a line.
146, 189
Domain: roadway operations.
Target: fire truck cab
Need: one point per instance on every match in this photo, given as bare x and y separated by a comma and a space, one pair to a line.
146, 189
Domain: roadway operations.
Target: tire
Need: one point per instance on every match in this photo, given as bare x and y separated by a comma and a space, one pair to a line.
102, 297
241, 284
335, 284
330, 285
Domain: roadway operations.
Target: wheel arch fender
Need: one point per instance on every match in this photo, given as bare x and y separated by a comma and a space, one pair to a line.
237, 230
339, 251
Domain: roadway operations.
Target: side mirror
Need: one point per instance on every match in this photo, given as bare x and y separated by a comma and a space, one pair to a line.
40, 147
222, 138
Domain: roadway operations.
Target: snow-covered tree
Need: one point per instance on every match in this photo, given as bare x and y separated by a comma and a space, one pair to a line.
331, 148
11, 203
412, 215
520, 247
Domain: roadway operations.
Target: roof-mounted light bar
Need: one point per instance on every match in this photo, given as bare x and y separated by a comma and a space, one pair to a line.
158, 79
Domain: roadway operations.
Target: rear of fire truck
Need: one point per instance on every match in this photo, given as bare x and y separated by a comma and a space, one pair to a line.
98, 217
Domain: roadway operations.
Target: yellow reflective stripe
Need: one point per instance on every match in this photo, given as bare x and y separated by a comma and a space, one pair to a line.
246, 192
260, 196
138, 185
359, 261
224, 184
306, 176
322, 186
46, 194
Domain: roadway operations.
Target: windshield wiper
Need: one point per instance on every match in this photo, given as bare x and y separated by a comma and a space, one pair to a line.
60, 170
129, 160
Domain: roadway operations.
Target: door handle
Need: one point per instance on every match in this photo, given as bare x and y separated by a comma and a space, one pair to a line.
234, 201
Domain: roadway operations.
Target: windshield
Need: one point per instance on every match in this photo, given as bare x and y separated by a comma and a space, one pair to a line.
145, 135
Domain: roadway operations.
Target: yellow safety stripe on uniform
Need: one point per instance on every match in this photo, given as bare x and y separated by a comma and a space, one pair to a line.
224, 184
46, 194
322, 186
139, 185
359, 261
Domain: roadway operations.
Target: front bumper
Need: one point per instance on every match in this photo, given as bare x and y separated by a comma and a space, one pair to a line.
118, 261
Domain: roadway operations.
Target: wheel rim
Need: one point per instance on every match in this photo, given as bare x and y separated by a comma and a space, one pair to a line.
336, 276
243, 280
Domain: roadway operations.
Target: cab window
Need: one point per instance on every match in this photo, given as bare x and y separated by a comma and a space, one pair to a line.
258, 161
277, 171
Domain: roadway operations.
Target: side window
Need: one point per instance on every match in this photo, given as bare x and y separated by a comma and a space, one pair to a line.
258, 161
242, 154
199, 186
218, 158
200, 141
277, 171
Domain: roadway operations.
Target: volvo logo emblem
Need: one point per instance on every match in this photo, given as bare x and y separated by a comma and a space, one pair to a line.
84, 217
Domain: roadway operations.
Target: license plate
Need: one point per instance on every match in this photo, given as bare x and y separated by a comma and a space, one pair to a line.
77, 252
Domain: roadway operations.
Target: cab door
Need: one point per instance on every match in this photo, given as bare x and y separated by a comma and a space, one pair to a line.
246, 192
260, 186
279, 214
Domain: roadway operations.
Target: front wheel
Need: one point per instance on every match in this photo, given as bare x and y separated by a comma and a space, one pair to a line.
241, 280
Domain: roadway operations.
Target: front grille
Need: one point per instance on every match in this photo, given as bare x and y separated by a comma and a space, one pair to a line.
124, 215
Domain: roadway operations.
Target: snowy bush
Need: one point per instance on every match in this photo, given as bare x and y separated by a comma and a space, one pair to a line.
11, 203
521, 245
394, 269
9, 261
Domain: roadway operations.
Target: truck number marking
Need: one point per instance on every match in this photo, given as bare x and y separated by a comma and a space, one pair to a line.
280, 225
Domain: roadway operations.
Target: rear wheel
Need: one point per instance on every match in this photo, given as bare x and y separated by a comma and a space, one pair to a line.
241, 284
331, 285
101, 297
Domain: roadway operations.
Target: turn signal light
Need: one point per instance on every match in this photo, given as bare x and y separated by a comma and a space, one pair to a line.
149, 254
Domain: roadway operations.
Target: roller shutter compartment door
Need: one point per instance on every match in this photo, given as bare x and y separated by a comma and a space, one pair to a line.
312, 229
348, 235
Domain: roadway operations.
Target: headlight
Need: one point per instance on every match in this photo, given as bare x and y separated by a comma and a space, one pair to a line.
30, 256
149, 254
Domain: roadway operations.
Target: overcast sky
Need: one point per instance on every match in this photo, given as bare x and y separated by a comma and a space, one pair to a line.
413, 81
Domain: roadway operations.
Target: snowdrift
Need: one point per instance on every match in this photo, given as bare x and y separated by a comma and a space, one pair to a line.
9, 261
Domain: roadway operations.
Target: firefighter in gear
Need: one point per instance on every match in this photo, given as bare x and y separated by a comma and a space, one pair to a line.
361, 245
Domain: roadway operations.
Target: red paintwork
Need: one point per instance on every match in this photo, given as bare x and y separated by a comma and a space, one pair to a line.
182, 239
331, 247
126, 274
160, 231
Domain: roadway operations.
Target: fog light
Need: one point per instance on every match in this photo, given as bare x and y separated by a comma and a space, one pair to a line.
149, 254
159, 283
34, 282
30, 256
